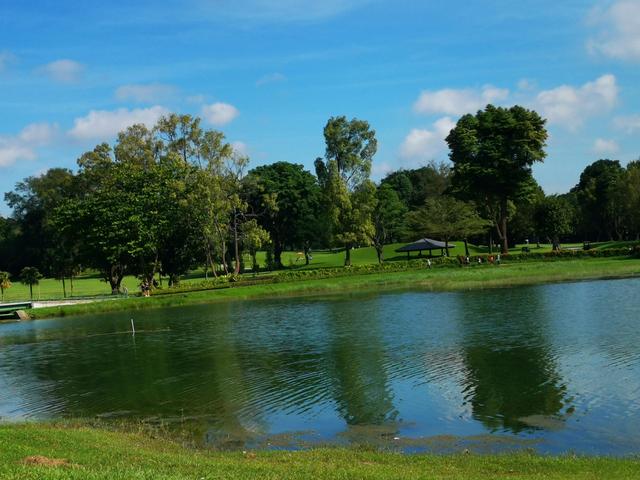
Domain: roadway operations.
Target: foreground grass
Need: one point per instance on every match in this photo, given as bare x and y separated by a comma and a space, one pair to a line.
438, 279
35, 451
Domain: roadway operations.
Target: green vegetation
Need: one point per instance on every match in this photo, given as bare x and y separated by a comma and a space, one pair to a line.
174, 203
436, 279
91, 285
34, 451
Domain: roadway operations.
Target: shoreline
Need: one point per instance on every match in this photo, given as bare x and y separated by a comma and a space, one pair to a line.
49, 451
435, 280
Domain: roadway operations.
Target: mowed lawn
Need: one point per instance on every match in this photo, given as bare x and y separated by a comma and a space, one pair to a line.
35, 451
91, 285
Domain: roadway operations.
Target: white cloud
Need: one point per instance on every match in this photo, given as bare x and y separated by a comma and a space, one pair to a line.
63, 71
569, 106
240, 148
22, 146
144, 93
219, 113
379, 170
105, 124
423, 144
271, 78
450, 101
619, 30
604, 146
629, 123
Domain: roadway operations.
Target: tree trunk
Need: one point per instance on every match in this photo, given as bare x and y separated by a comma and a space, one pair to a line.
306, 253
347, 257
466, 247
503, 227
380, 253
64, 288
71, 282
31, 291
277, 255
490, 241
236, 248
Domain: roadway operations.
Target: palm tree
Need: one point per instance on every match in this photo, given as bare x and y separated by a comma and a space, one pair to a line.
30, 276
4, 283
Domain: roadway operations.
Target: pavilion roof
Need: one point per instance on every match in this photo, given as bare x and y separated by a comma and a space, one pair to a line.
424, 244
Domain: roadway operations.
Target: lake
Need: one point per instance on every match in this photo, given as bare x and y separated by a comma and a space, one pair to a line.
554, 368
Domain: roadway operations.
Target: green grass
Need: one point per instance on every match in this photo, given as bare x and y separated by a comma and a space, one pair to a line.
89, 454
437, 279
92, 285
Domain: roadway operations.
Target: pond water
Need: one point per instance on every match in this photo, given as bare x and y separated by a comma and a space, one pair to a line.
555, 368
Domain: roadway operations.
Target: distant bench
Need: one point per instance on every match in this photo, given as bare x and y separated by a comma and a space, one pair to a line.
14, 311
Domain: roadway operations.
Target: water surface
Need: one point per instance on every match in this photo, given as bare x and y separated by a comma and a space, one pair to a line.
554, 367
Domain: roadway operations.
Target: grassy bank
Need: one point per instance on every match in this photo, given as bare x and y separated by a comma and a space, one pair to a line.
91, 285
49, 452
443, 279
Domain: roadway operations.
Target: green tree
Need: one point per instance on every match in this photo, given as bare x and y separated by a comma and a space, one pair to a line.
553, 219
414, 186
446, 217
285, 197
600, 197
631, 196
33, 201
348, 193
254, 237
5, 283
492, 154
387, 217
30, 276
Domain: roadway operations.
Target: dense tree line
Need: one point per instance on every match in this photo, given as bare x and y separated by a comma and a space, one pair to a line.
176, 197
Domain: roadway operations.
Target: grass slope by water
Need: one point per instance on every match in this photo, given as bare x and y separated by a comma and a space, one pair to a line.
92, 285
437, 279
40, 451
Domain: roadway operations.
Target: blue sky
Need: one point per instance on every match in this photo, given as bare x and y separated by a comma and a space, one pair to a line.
270, 73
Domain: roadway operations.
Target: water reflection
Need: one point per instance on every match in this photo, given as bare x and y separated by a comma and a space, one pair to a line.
521, 362
512, 381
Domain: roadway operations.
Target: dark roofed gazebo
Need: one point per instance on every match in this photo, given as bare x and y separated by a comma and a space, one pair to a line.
425, 244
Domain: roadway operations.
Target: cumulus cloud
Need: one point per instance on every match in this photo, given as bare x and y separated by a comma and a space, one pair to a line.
144, 93
619, 30
424, 144
569, 106
240, 148
450, 101
270, 78
630, 123
105, 124
63, 71
603, 146
219, 113
14, 148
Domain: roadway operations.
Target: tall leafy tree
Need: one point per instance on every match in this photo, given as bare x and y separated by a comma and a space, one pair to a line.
387, 217
600, 197
414, 186
631, 196
348, 193
285, 197
553, 219
492, 154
